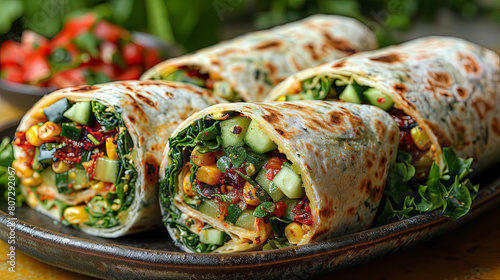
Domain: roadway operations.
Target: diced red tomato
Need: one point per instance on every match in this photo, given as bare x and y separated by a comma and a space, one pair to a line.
273, 166
279, 208
133, 73
72, 28
132, 53
12, 73
302, 212
35, 68
31, 41
152, 58
68, 78
109, 32
11, 53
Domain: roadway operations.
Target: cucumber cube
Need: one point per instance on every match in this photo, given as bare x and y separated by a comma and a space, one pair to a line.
246, 220
261, 179
350, 95
54, 112
289, 183
258, 140
80, 112
379, 99
233, 131
223, 89
212, 236
209, 207
106, 170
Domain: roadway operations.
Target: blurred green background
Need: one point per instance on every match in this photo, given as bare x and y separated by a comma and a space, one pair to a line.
194, 24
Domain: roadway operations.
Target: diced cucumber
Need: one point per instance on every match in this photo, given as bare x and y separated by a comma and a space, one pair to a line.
80, 112
223, 89
181, 76
290, 204
261, 179
69, 130
71, 180
46, 153
106, 170
213, 236
209, 207
350, 95
289, 183
246, 220
48, 176
54, 112
379, 99
233, 213
258, 140
230, 134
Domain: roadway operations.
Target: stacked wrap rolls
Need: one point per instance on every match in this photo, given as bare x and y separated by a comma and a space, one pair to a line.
442, 92
89, 156
247, 67
315, 170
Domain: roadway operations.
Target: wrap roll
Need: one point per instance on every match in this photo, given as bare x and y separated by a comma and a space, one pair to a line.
247, 67
274, 174
89, 156
444, 94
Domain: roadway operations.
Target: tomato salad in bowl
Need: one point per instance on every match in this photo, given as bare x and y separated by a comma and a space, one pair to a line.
86, 51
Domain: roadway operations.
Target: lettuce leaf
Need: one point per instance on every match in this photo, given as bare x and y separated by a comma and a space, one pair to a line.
448, 190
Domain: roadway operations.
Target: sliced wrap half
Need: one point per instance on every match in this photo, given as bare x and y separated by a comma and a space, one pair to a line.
443, 92
247, 67
274, 174
89, 156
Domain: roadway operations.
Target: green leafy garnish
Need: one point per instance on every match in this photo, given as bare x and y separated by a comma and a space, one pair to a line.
223, 198
277, 243
448, 190
263, 209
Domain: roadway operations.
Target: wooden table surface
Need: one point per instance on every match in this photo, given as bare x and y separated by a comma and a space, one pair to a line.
470, 252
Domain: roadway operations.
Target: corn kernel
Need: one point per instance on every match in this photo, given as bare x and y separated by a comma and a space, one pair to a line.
111, 149
32, 136
186, 185
32, 200
281, 98
115, 207
294, 233
99, 186
221, 115
209, 174
23, 169
60, 166
33, 181
76, 214
249, 195
202, 159
420, 138
49, 131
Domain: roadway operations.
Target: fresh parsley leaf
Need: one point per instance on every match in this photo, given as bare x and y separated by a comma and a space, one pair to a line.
223, 198
263, 209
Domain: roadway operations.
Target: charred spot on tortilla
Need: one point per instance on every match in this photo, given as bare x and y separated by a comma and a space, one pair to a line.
312, 51
369, 164
326, 212
400, 88
462, 93
147, 101
495, 125
273, 116
292, 106
471, 65
350, 212
444, 79
152, 168
339, 44
268, 45
389, 58
339, 64
482, 107
281, 132
132, 119
85, 89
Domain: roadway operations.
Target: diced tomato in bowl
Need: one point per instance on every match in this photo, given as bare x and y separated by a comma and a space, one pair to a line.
85, 51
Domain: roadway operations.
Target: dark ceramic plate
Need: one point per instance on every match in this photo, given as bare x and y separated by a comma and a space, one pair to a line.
152, 255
